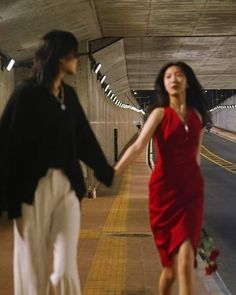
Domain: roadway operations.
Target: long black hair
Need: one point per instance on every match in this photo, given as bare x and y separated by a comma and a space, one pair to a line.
194, 93
54, 46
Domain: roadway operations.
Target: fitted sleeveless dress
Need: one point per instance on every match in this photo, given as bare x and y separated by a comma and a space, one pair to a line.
176, 186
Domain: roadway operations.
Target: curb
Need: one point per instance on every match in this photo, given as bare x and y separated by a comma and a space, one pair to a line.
220, 134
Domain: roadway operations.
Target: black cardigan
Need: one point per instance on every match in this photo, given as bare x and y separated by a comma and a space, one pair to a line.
35, 135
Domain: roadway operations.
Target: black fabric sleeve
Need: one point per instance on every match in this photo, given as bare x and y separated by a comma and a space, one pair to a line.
89, 150
10, 124
6, 122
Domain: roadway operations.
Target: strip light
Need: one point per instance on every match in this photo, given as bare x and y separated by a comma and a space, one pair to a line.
6, 61
107, 87
97, 67
229, 106
103, 79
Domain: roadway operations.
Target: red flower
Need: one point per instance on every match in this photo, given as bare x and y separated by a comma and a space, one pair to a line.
214, 254
210, 268
214, 267
208, 253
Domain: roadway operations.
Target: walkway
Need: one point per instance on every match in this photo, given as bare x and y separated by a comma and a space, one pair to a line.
116, 250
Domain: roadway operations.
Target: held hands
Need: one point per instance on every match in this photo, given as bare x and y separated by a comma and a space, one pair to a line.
116, 170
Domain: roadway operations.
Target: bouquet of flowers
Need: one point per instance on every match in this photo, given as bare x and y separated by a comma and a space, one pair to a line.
208, 252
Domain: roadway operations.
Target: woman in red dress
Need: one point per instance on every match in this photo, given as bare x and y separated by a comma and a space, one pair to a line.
176, 187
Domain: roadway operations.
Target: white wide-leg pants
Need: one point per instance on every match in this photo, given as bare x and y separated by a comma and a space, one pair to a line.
51, 223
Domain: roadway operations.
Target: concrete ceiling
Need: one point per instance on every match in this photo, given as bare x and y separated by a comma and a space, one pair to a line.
200, 32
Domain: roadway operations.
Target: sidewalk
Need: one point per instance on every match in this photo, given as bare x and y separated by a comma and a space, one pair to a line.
224, 133
117, 254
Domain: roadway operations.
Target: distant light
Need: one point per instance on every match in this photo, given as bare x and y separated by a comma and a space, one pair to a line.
112, 95
103, 79
107, 87
98, 67
10, 65
6, 61
109, 92
135, 92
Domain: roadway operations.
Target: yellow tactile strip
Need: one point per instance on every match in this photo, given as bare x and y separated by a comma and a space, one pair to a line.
89, 234
108, 270
231, 167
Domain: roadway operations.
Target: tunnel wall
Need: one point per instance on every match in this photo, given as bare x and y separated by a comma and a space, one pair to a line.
103, 114
225, 118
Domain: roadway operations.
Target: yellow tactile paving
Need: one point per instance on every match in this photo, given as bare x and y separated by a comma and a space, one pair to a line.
108, 270
229, 166
89, 234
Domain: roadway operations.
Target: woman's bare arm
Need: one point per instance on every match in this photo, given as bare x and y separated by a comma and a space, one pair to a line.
137, 147
198, 155
199, 148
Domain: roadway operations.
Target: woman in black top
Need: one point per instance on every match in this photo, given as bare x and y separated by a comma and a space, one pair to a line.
43, 135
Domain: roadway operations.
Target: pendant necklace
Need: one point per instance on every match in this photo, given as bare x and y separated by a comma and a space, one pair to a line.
186, 127
61, 99
183, 120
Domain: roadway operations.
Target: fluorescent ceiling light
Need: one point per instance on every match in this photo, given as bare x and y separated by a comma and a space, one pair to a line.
10, 64
103, 79
98, 67
107, 87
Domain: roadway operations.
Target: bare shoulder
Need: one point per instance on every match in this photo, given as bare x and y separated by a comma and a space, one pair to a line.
158, 113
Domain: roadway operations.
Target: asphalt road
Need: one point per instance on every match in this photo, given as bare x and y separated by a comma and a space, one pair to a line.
220, 206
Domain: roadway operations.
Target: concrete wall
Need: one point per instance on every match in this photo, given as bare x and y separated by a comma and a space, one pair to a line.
103, 114
226, 118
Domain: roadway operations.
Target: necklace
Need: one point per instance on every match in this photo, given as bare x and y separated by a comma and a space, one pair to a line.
61, 99
183, 119
186, 127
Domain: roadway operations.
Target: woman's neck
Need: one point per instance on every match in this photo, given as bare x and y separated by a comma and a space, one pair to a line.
178, 103
57, 84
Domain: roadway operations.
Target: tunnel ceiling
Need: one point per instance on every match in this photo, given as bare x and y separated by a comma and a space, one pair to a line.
200, 32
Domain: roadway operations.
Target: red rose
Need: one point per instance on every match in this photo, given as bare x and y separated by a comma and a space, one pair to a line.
208, 270
213, 266
214, 254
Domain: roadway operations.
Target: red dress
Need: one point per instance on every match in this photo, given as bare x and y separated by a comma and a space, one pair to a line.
176, 186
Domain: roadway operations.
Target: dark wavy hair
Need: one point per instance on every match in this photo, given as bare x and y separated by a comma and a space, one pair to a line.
54, 46
194, 93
